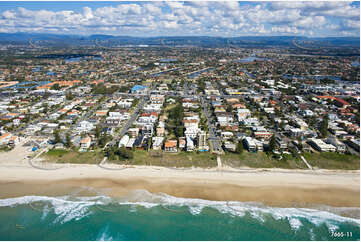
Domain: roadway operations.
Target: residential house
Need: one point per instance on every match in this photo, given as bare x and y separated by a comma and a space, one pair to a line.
250, 144
130, 143
202, 141
138, 89
190, 144
101, 113
153, 107
125, 103
224, 118
157, 143
249, 122
319, 145
340, 147
85, 143
147, 130
84, 126
190, 123
182, 143
243, 113
157, 99
123, 141
170, 146
133, 132
230, 146
5, 138
281, 144
191, 132
226, 135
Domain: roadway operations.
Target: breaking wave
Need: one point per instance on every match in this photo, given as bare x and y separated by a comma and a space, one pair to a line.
68, 208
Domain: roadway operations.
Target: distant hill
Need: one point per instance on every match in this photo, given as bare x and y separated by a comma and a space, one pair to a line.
204, 41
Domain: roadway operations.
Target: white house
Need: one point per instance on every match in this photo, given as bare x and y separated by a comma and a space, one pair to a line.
340, 147
243, 113
250, 122
84, 126
319, 145
190, 144
157, 99
125, 103
191, 132
157, 143
152, 107
124, 141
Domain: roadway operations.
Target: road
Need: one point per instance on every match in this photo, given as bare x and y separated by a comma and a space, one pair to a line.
216, 143
130, 121
87, 114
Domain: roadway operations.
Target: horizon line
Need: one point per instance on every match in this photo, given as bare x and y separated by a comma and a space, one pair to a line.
165, 36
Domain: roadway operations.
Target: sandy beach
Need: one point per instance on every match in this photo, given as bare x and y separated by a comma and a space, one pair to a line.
277, 187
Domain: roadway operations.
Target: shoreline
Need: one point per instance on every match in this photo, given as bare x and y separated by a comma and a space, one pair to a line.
274, 187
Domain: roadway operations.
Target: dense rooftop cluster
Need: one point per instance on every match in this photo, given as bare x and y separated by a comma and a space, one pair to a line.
171, 100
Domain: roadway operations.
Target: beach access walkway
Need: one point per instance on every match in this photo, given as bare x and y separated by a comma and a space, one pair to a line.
307, 164
219, 162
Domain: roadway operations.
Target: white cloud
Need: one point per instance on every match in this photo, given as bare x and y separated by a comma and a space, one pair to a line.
202, 17
88, 13
351, 24
8, 14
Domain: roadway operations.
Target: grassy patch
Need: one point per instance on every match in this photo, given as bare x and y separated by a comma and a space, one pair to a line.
261, 160
5, 148
181, 159
74, 157
331, 160
57, 152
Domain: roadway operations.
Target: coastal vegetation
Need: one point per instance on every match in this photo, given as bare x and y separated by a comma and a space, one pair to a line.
325, 160
261, 160
331, 160
181, 159
74, 157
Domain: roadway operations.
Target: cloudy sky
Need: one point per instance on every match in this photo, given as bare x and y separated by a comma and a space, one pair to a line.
173, 18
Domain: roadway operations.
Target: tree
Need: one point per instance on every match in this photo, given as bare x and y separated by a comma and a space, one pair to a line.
123, 153
56, 86
111, 153
300, 146
103, 141
57, 138
68, 142
46, 107
69, 96
98, 131
240, 148
272, 143
324, 126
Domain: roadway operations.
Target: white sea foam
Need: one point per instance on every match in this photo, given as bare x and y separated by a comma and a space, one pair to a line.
312, 235
66, 209
46, 211
295, 223
195, 209
104, 235
74, 208
294, 216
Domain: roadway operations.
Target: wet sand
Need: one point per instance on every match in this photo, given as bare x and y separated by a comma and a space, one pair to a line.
274, 187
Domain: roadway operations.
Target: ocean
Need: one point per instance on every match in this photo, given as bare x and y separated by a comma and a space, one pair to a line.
142, 215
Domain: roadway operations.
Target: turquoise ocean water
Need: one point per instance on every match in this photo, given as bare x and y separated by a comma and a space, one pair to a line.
145, 216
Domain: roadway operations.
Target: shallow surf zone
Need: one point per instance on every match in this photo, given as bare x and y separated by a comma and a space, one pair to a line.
142, 215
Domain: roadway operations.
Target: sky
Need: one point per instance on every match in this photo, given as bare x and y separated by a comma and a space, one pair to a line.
183, 18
